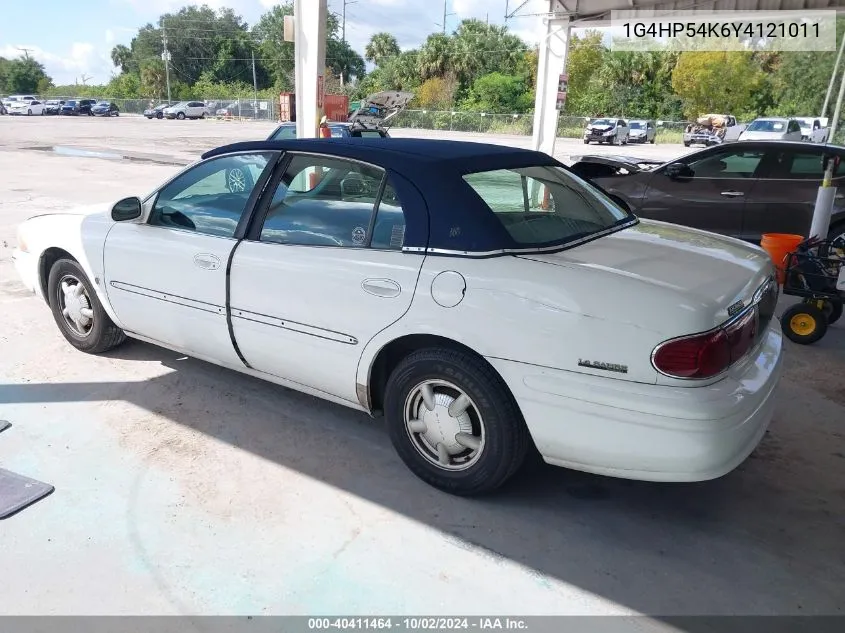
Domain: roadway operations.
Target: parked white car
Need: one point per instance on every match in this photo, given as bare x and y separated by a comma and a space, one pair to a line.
813, 129
772, 129
642, 131
28, 107
482, 298
186, 110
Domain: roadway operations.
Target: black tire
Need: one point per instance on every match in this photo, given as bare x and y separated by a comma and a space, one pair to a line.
832, 310
586, 142
652, 141
104, 334
803, 323
180, 116
686, 144
506, 439
159, 115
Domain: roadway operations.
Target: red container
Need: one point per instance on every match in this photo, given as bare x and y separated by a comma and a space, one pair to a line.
287, 106
336, 107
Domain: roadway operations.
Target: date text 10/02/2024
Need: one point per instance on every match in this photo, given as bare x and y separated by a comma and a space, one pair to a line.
418, 624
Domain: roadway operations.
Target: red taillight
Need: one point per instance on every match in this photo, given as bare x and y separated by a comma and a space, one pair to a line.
706, 355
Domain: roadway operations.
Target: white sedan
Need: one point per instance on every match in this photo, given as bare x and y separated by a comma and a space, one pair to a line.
28, 107
484, 299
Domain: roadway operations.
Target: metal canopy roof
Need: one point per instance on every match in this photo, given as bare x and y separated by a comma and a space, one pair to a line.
597, 12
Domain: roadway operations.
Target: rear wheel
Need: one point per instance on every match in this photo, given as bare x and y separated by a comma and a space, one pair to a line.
586, 142
454, 422
29, 113
77, 311
804, 323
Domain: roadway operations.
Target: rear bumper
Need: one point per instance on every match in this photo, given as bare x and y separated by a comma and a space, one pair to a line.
649, 432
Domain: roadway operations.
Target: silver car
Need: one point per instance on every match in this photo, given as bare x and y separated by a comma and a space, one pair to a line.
186, 110
641, 131
772, 129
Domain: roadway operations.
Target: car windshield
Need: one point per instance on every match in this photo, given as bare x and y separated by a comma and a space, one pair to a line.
546, 205
636, 125
766, 125
602, 122
103, 103
70, 103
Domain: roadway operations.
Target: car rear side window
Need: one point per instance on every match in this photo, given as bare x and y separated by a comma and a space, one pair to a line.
325, 201
796, 166
545, 205
736, 163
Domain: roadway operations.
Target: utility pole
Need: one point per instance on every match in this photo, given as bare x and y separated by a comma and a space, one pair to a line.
165, 55
445, 15
833, 78
25, 52
343, 28
254, 87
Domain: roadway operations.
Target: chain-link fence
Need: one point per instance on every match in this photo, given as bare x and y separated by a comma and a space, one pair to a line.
523, 124
240, 109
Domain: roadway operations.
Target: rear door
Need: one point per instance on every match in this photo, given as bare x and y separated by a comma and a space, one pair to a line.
713, 198
786, 197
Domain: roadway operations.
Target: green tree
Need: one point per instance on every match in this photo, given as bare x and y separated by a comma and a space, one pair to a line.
23, 75
498, 93
121, 57
382, 46
437, 93
435, 56
716, 81
478, 49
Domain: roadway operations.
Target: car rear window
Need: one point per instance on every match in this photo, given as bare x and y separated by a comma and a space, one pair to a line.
545, 205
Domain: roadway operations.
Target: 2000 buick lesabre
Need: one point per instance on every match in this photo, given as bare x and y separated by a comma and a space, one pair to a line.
482, 298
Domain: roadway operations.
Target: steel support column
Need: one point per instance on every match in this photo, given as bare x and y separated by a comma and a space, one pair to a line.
310, 52
553, 50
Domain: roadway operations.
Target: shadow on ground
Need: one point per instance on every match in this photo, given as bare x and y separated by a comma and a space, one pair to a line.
767, 538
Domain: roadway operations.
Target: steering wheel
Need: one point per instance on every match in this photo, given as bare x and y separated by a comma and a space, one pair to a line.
355, 185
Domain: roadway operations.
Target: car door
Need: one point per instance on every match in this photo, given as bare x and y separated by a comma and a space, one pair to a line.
785, 198
793, 131
37, 107
711, 195
165, 274
323, 272
196, 109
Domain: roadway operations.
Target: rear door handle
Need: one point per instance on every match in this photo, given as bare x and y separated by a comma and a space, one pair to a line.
732, 194
381, 287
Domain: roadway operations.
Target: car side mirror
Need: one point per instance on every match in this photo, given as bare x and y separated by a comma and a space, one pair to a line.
678, 171
126, 209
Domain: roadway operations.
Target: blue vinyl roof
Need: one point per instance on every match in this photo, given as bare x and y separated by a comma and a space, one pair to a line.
441, 210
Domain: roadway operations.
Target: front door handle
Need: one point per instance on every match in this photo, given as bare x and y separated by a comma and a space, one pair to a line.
732, 194
381, 287
207, 261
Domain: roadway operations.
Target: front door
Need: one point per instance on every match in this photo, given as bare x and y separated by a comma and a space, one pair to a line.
713, 195
166, 275
322, 273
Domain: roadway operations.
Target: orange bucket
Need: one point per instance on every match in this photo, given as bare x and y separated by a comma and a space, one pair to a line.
778, 246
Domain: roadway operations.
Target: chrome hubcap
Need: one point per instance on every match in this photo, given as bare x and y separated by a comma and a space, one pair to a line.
444, 425
75, 305
237, 181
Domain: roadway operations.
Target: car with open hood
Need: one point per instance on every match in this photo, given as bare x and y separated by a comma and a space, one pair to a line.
742, 189
484, 300
371, 119
814, 129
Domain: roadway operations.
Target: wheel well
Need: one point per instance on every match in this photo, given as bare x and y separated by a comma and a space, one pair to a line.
392, 354
48, 258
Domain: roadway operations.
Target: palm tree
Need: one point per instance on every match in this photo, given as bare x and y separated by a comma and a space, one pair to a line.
381, 46
435, 56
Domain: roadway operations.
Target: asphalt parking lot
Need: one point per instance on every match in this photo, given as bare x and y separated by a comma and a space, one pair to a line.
184, 488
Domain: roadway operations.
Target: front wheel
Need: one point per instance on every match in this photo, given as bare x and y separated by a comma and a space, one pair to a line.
77, 310
586, 142
181, 116
803, 323
453, 421
29, 113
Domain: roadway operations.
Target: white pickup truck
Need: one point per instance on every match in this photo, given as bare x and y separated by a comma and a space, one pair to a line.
813, 129
712, 129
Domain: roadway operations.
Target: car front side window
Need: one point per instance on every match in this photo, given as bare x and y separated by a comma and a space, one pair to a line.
211, 197
323, 201
729, 164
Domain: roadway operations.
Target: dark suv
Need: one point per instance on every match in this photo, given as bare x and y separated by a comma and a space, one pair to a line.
78, 106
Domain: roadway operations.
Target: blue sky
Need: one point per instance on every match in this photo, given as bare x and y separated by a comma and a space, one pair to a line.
73, 39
